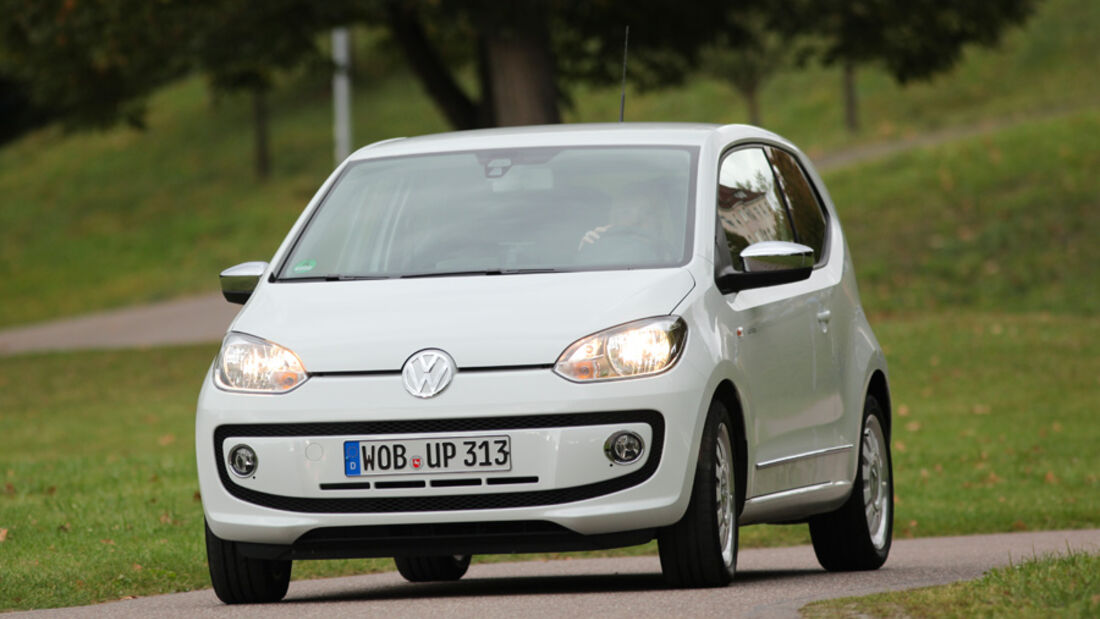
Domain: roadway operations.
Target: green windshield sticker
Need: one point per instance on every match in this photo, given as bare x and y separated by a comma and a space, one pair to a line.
304, 266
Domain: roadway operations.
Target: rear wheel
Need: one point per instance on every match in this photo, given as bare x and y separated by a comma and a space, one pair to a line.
428, 569
701, 549
857, 536
239, 579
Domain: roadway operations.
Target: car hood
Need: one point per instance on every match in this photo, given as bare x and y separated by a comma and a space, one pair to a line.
481, 321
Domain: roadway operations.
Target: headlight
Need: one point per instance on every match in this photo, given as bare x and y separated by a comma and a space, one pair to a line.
638, 348
251, 365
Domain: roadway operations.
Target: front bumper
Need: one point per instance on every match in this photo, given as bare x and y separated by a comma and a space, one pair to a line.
559, 478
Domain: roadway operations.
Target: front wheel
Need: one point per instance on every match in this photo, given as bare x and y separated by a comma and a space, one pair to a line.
239, 579
857, 536
701, 549
428, 569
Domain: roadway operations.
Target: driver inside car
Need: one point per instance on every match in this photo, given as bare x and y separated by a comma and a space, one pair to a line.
640, 214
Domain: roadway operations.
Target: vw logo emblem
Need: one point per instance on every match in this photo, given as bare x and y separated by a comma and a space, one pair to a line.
427, 373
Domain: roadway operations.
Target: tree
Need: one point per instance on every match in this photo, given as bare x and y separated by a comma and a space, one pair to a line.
749, 61
527, 53
240, 45
93, 62
913, 40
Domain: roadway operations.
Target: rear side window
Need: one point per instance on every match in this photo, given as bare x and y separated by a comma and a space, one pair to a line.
750, 207
805, 210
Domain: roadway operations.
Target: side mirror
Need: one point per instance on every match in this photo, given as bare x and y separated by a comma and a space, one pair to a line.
239, 281
768, 263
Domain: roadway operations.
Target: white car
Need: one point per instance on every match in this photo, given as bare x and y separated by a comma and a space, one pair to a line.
545, 339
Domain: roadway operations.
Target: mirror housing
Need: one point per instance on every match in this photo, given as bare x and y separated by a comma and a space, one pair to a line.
768, 263
239, 281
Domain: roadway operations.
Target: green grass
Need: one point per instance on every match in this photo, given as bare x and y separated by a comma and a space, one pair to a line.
100, 220
1005, 222
994, 431
1062, 586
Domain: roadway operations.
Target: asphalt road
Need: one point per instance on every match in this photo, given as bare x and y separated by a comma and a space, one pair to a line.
773, 582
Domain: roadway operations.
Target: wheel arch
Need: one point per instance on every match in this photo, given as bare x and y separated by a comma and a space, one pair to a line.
877, 386
727, 395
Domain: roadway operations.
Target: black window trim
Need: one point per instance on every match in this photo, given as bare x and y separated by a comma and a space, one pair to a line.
719, 237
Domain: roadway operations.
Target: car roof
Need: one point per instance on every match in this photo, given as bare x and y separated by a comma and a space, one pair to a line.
586, 134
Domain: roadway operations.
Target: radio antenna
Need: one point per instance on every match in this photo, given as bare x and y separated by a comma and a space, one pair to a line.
622, 97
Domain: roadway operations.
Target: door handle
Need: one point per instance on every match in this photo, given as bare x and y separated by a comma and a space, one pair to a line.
824, 316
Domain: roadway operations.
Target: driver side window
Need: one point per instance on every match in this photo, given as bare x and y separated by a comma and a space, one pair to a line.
750, 208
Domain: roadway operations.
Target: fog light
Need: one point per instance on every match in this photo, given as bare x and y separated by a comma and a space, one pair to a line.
624, 447
242, 461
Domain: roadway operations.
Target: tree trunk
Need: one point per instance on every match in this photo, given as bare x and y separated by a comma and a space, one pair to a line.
461, 111
262, 152
752, 99
486, 116
851, 103
521, 72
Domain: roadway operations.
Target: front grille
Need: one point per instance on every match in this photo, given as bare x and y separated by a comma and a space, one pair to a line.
496, 500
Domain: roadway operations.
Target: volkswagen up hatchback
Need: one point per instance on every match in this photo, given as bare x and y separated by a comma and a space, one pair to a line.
548, 339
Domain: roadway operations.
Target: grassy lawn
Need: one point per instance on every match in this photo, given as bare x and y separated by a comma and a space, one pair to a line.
98, 220
977, 261
1066, 586
100, 491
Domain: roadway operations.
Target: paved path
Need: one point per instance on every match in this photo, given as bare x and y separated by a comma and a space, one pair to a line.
773, 582
190, 320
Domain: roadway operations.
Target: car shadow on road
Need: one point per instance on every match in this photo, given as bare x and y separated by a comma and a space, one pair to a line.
531, 585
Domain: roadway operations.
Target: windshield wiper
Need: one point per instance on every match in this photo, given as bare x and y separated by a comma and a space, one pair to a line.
481, 272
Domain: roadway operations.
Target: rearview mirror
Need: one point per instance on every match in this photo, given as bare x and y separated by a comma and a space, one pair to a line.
239, 281
768, 263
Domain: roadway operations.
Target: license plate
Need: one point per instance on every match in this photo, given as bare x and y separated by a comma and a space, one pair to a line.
429, 455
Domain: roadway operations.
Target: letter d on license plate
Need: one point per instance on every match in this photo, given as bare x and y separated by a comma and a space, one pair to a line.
428, 455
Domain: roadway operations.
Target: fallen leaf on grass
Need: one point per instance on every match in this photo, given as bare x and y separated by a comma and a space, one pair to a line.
165, 518
899, 446
1050, 478
137, 567
1057, 427
109, 542
166, 440
903, 411
9, 489
912, 426
1019, 525
65, 528
3, 535
980, 409
197, 497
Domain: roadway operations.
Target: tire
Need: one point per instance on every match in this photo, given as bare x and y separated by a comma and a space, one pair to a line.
429, 569
857, 536
701, 549
239, 579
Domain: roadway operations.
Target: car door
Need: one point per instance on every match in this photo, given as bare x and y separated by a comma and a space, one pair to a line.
811, 229
776, 332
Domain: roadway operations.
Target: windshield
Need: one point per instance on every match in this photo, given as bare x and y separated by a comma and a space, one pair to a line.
501, 212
